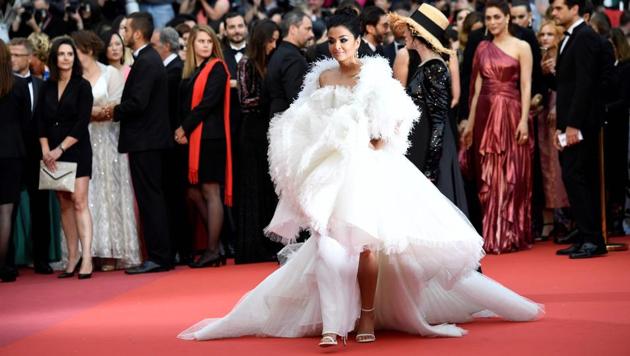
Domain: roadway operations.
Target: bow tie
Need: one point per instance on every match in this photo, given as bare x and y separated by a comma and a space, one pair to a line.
29, 79
567, 33
242, 50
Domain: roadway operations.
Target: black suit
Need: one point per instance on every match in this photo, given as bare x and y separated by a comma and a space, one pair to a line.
366, 50
38, 199
145, 133
176, 172
576, 106
285, 74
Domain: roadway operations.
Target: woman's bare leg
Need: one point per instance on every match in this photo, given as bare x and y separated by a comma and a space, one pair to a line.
69, 225
367, 276
83, 220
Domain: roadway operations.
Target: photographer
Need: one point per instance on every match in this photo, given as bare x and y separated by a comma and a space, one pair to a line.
53, 17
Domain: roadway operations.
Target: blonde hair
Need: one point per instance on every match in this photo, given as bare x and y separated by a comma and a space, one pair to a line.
191, 60
41, 45
559, 31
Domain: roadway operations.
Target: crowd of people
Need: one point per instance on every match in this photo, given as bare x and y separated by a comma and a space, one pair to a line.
165, 108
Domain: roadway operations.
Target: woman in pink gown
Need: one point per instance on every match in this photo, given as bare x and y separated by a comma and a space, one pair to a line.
497, 134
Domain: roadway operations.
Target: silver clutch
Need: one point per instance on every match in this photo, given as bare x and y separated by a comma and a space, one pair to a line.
62, 179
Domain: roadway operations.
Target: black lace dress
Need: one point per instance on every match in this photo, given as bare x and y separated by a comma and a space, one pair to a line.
434, 148
254, 193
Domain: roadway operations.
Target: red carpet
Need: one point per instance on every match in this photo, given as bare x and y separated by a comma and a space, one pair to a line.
587, 303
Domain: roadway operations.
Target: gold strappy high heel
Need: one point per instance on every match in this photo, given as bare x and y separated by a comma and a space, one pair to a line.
365, 337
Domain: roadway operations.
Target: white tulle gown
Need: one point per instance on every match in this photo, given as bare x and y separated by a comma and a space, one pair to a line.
352, 197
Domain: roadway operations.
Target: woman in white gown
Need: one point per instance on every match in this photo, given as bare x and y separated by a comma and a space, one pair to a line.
387, 250
110, 196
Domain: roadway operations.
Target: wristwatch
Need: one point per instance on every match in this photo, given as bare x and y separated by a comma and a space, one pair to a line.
63, 150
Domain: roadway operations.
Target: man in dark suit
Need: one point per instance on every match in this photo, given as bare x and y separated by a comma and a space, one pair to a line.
166, 43
145, 134
576, 81
287, 66
21, 55
375, 27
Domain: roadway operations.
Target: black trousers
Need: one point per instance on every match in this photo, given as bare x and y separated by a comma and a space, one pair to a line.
175, 186
146, 175
580, 173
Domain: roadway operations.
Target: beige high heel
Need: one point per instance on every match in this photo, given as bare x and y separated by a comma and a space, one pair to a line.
365, 337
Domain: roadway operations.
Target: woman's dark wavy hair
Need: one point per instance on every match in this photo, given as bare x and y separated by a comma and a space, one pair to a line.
261, 34
52, 58
345, 17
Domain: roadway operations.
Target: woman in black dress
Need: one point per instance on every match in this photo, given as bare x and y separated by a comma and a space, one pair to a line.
15, 111
63, 114
430, 88
204, 128
256, 197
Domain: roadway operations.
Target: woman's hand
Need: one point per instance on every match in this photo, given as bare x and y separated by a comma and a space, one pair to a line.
180, 136
522, 133
50, 158
466, 136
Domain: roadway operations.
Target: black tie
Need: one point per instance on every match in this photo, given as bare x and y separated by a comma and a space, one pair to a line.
567, 34
29, 79
242, 50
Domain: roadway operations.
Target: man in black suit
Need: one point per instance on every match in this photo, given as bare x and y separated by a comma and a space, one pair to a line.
145, 134
576, 82
166, 43
375, 27
287, 66
21, 55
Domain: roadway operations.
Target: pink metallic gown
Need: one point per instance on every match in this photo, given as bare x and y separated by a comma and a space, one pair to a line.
502, 168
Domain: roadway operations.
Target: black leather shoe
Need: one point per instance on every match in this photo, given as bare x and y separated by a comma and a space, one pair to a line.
8, 274
569, 250
147, 267
42, 268
589, 250
66, 274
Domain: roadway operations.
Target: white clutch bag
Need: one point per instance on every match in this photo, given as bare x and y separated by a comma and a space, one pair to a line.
62, 179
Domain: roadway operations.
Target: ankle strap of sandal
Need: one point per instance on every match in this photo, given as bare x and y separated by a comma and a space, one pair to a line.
367, 310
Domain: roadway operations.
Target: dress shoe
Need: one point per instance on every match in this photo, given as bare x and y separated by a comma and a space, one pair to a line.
569, 250
42, 268
209, 260
589, 250
147, 267
8, 274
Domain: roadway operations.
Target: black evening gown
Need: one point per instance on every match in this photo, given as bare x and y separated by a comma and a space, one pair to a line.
254, 190
430, 89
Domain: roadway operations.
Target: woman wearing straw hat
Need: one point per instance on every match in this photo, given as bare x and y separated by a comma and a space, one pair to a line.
387, 250
430, 89
497, 133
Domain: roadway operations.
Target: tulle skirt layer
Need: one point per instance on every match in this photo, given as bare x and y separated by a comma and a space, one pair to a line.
427, 254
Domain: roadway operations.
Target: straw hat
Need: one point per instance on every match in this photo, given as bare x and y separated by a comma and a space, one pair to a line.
427, 22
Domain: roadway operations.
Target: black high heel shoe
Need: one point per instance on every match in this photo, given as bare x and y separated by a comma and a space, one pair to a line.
207, 260
66, 274
87, 275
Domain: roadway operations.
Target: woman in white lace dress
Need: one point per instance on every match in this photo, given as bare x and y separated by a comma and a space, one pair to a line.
111, 195
387, 249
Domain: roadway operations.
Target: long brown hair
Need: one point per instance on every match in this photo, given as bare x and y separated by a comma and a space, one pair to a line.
262, 34
622, 47
6, 74
191, 60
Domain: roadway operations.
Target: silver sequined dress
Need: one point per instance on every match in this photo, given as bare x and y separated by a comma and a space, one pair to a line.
111, 196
